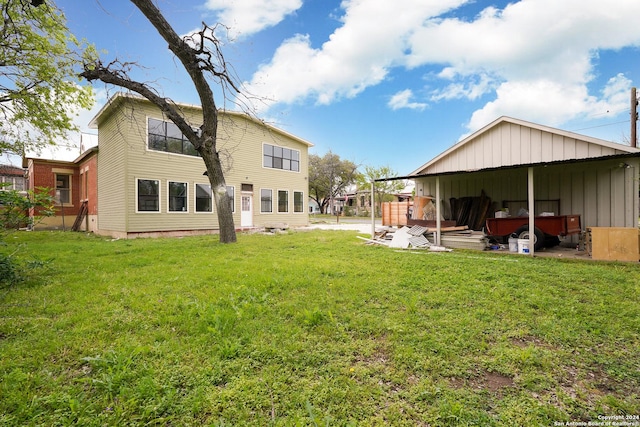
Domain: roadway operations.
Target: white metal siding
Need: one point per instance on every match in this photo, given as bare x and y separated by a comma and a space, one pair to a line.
602, 192
513, 144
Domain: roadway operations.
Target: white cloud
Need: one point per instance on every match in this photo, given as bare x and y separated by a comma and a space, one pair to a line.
551, 103
357, 55
402, 99
535, 57
245, 17
467, 87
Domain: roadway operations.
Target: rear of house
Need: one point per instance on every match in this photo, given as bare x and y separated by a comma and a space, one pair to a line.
150, 180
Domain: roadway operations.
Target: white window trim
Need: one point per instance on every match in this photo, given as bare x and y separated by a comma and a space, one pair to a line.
278, 201
281, 170
159, 196
266, 213
169, 196
293, 202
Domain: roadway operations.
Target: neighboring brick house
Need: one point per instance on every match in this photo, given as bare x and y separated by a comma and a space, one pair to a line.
11, 178
73, 186
145, 179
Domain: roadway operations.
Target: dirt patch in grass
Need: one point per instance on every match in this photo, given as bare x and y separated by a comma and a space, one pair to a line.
526, 341
494, 382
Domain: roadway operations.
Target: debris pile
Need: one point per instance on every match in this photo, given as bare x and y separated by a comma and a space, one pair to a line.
420, 237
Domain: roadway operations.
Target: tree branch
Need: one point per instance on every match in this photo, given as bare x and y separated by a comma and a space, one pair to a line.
105, 74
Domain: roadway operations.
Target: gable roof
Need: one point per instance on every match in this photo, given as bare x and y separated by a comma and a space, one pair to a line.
120, 97
509, 142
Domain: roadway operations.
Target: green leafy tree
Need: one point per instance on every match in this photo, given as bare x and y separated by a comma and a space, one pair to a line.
384, 190
329, 176
39, 84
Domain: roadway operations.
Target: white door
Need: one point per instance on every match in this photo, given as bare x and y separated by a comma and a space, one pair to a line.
246, 212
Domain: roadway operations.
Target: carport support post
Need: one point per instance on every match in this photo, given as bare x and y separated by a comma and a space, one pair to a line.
532, 211
438, 222
373, 211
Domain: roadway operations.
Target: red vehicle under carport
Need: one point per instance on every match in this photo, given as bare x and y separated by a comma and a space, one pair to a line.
547, 228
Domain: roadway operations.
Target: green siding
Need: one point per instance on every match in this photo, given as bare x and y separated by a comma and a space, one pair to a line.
111, 176
124, 158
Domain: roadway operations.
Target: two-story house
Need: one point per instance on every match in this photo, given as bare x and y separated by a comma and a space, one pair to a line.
146, 179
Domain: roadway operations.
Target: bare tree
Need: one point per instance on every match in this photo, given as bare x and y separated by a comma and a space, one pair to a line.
202, 57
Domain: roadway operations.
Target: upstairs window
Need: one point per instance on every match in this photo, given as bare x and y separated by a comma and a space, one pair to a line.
276, 157
165, 136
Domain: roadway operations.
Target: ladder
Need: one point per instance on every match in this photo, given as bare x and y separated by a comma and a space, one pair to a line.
82, 213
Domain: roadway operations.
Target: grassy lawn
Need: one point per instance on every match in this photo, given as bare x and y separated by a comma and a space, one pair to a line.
312, 328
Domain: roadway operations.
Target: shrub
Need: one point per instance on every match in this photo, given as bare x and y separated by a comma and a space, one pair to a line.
8, 274
23, 209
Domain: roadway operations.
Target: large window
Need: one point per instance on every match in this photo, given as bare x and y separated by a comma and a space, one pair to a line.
283, 201
63, 188
178, 196
266, 201
280, 158
298, 201
148, 195
165, 136
204, 201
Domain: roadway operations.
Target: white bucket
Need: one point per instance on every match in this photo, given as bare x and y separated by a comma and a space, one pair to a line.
513, 244
523, 246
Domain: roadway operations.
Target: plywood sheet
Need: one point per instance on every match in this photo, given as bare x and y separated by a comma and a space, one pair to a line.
615, 243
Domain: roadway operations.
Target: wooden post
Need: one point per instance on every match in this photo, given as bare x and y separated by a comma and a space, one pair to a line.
373, 212
438, 222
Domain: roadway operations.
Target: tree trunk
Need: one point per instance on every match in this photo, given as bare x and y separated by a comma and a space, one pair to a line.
220, 196
203, 140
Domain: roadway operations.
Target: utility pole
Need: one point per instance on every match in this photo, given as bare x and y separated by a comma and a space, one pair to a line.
634, 117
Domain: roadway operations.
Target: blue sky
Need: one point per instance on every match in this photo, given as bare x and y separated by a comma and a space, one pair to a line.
395, 83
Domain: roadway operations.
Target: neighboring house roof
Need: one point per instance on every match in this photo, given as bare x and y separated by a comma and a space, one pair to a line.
8, 170
509, 142
121, 97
